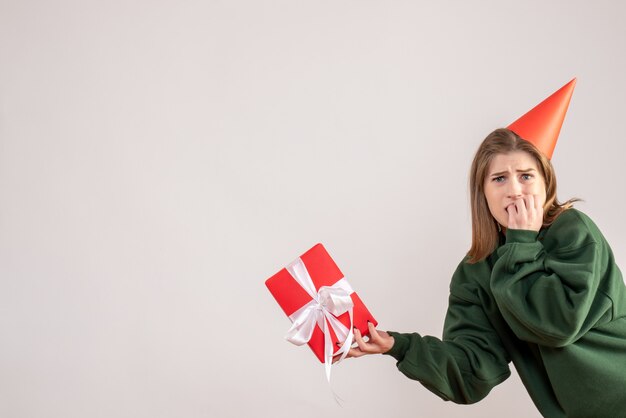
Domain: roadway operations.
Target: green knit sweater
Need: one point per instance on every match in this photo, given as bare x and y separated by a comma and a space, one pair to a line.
553, 303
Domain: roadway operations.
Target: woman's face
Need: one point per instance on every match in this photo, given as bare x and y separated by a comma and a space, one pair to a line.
509, 177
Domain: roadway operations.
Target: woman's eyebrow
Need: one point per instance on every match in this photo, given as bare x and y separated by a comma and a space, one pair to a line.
500, 173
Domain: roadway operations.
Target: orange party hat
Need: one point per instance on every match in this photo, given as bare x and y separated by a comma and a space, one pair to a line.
542, 124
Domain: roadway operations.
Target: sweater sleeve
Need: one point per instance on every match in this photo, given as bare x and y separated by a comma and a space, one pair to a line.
463, 366
548, 291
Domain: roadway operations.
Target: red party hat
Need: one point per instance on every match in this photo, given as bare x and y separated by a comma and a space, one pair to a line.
542, 124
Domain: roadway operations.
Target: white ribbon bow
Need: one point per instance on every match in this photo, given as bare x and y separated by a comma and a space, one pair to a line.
327, 304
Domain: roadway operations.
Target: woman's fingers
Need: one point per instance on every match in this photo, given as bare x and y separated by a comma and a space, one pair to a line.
512, 212
530, 202
539, 207
522, 205
526, 212
360, 349
535, 212
538, 204
355, 352
366, 347
374, 336
358, 338
517, 211
379, 342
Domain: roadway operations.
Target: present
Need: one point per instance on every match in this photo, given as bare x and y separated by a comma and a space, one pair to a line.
322, 306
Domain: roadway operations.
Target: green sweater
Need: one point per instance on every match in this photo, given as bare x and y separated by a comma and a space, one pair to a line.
553, 303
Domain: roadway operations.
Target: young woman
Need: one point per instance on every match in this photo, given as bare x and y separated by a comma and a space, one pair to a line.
538, 287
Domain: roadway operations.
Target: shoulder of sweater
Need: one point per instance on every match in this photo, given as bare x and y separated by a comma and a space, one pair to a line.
571, 230
466, 278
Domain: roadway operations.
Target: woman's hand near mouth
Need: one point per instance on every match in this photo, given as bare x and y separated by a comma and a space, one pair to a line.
526, 212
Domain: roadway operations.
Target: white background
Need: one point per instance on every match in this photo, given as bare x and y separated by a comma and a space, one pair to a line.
160, 159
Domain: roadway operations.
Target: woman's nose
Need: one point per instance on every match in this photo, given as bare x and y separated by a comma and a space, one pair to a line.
515, 189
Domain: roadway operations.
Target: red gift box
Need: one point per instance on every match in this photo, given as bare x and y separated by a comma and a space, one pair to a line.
323, 271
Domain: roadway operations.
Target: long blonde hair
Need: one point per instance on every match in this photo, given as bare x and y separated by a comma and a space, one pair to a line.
484, 226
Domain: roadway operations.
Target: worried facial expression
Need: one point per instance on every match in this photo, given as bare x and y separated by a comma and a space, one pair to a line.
511, 177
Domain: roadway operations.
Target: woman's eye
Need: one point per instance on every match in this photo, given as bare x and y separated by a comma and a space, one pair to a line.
498, 179
527, 176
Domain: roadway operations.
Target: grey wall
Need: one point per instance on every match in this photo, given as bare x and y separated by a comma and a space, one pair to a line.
160, 159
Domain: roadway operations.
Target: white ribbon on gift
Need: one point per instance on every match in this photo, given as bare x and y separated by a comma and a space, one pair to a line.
324, 308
